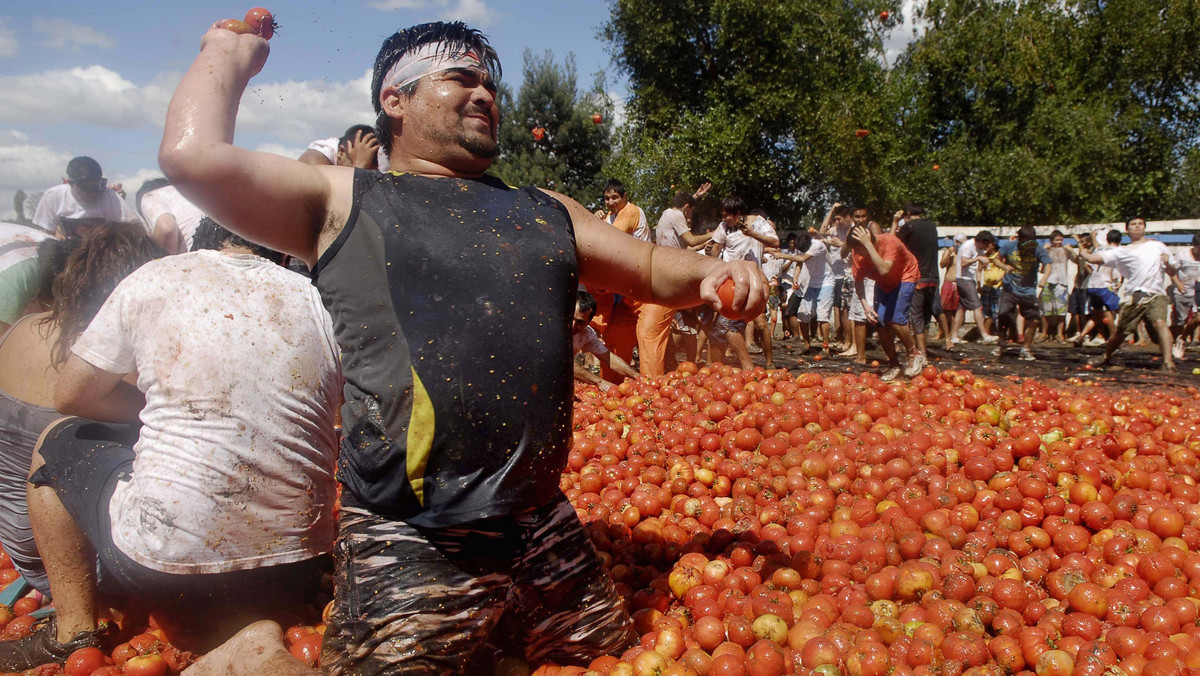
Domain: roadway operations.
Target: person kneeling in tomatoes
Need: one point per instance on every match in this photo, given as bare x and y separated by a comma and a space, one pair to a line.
207, 490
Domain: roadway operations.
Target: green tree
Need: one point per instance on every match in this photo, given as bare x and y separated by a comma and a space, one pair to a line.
762, 98
569, 156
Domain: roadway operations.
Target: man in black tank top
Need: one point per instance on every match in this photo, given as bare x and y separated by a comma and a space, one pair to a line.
452, 297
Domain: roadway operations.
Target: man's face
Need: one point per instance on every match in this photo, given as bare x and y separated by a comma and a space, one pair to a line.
731, 220
1136, 228
1085, 241
581, 320
87, 188
614, 200
860, 217
452, 120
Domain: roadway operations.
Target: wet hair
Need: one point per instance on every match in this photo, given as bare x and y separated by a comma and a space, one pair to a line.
587, 303
1056, 233
682, 199
791, 237
52, 260
1026, 233
456, 34
210, 235
349, 135
616, 186
1196, 239
804, 241
1114, 236
857, 207
733, 205
842, 211
84, 167
1132, 219
149, 186
105, 256
914, 210
985, 237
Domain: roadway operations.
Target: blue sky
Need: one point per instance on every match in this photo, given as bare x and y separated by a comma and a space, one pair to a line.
90, 78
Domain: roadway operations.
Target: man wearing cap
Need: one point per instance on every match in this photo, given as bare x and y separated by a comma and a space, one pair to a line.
80, 203
457, 423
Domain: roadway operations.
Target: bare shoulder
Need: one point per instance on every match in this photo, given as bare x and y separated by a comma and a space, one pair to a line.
579, 213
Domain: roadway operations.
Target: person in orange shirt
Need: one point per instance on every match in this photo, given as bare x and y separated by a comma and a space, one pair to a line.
616, 317
885, 259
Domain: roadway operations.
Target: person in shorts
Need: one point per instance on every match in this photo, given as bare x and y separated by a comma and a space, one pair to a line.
1184, 318
1056, 291
885, 259
817, 302
236, 365
1145, 264
1022, 260
949, 294
833, 233
859, 216
972, 256
1102, 286
1077, 304
920, 235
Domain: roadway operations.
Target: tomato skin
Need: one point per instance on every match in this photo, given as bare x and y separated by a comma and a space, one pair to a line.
84, 661
262, 21
307, 649
725, 293
237, 26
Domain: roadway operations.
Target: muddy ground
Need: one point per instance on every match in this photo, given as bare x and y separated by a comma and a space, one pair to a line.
1132, 366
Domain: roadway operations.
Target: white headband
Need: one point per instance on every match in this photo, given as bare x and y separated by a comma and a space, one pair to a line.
427, 59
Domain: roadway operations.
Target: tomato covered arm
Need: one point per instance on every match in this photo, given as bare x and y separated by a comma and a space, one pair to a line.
278, 202
85, 390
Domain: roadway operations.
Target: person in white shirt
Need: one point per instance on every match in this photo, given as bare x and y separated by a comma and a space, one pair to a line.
83, 201
1184, 318
817, 302
741, 238
833, 232
1102, 285
655, 353
208, 488
171, 219
859, 217
1055, 293
1145, 264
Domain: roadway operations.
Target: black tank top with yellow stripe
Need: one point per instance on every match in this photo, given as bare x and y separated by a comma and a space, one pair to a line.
452, 301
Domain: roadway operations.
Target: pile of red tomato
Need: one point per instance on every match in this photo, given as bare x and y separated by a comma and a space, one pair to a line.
768, 523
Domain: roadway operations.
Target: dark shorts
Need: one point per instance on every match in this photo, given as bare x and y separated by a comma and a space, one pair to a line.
1103, 298
792, 307
448, 600
84, 461
989, 300
926, 303
1012, 303
893, 306
843, 293
968, 295
1078, 303
1141, 307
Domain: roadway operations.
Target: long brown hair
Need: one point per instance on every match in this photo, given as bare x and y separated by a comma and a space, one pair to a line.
109, 253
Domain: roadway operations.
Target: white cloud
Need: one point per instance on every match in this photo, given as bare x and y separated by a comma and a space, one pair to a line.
8, 40
28, 167
63, 34
296, 112
900, 36
300, 112
473, 12
91, 95
289, 152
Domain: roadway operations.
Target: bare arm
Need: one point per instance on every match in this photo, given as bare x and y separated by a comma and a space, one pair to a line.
613, 260
90, 392
283, 204
695, 240
585, 376
315, 158
1092, 257
868, 306
617, 364
166, 234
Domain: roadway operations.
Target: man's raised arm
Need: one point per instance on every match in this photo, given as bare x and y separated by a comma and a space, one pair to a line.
615, 261
275, 201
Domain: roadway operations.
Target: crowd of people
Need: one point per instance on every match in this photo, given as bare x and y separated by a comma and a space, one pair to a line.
170, 382
833, 285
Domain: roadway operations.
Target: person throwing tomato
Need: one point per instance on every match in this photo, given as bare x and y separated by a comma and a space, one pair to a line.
457, 421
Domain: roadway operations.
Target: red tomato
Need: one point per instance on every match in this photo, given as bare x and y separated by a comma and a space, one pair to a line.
262, 22
146, 665
84, 661
307, 649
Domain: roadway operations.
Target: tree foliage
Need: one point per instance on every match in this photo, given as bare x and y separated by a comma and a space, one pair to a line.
569, 156
1001, 112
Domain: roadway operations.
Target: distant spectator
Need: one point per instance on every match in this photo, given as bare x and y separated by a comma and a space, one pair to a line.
585, 339
170, 217
19, 281
885, 259
1102, 287
920, 236
78, 277
1184, 318
1023, 261
83, 201
1056, 292
355, 148
655, 353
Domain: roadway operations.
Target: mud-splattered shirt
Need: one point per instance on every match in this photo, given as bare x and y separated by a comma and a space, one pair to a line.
452, 302
235, 458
